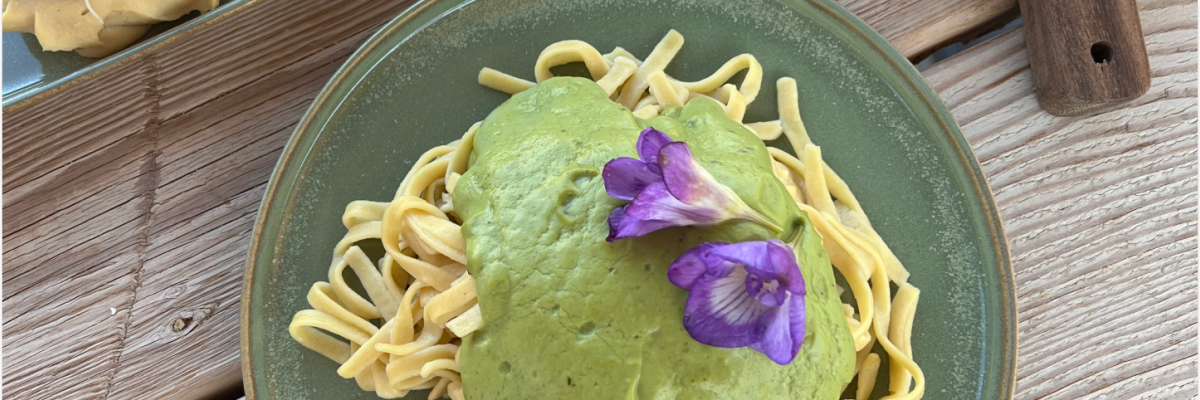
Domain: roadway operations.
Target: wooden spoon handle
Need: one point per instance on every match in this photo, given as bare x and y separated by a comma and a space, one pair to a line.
1087, 56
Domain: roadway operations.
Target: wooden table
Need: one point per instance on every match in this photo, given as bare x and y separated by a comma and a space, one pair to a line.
130, 200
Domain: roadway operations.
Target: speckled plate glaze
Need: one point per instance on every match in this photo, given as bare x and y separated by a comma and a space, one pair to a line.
413, 86
29, 72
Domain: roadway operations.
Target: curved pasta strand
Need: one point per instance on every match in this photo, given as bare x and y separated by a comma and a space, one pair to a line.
416, 183
665, 91
569, 51
432, 367
432, 193
467, 322
658, 59
850, 269
503, 82
389, 269
349, 299
406, 316
648, 112
897, 357
321, 298
357, 233
866, 377
460, 156
379, 374
814, 180
372, 281
793, 128
735, 107
622, 69
646, 101
361, 211
431, 226
365, 380
750, 85
409, 367
439, 389
900, 334
455, 391
382, 302
620, 52
304, 329
767, 130
366, 354
453, 302
419, 165
793, 167
391, 231
430, 335
788, 100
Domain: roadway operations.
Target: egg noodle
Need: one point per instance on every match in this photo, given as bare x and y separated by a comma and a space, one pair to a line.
425, 299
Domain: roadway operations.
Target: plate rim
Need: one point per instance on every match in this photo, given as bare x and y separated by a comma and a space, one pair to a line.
904, 68
126, 55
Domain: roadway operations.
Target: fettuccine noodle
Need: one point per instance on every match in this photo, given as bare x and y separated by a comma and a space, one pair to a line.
426, 300
420, 289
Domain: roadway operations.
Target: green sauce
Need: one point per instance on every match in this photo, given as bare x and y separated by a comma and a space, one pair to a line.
570, 316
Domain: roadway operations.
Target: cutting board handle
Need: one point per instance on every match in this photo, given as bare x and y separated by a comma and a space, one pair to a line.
1087, 56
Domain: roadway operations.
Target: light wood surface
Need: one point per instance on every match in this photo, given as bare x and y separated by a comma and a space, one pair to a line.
1100, 213
917, 27
145, 204
127, 223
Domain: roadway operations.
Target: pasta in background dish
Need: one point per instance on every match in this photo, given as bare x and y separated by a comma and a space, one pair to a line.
426, 300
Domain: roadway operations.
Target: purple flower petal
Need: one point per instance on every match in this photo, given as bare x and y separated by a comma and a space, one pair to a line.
783, 258
690, 266
614, 220
625, 177
689, 182
756, 256
649, 143
766, 291
781, 340
686, 179
654, 208
749, 294
719, 313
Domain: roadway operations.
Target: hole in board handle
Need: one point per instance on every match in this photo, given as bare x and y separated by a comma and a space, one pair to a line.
1102, 53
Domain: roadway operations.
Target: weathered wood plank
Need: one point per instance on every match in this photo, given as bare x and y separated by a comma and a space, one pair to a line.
76, 192
1100, 213
202, 219
918, 27
146, 206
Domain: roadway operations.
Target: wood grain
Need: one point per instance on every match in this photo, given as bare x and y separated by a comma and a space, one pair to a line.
1087, 56
1100, 213
144, 204
128, 224
918, 27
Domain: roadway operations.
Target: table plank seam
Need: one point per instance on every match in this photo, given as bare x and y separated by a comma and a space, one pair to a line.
148, 183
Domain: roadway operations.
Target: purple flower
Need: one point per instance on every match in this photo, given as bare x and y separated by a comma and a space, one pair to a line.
668, 187
743, 294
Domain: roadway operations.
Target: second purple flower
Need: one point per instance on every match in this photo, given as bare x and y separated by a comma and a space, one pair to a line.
743, 294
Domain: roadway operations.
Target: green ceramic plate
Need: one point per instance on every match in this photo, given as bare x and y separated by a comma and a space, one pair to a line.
29, 71
413, 86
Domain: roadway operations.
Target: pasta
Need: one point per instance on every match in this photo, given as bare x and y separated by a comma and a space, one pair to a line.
420, 289
425, 298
